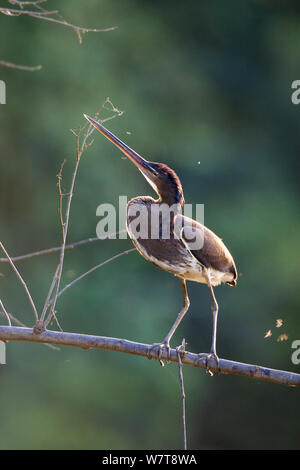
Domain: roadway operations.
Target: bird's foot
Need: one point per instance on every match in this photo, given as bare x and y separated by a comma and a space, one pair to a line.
160, 348
211, 361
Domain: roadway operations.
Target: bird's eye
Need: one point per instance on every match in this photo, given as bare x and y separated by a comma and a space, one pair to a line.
153, 171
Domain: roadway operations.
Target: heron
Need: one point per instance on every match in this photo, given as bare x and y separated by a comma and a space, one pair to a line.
190, 251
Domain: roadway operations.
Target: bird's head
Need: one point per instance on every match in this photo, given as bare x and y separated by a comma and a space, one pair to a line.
163, 179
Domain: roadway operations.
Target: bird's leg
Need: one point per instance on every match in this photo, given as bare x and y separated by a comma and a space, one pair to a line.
166, 342
215, 309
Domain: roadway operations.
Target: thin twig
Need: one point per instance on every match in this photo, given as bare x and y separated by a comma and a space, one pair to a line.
18, 322
146, 350
22, 282
36, 14
58, 248
56, 321
180, 350
94, 269
77, 28
26, 68
66, 226
21, 3
43, 15
47, 303
60, 195
5, 312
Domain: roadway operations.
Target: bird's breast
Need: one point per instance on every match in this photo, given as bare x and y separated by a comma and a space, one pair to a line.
161, 247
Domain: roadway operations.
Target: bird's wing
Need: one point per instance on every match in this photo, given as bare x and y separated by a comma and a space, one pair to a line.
205, 246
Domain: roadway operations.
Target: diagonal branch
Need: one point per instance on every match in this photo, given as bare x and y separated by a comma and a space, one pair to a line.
12, 12
84, 341
77, 28
26, 68
60, 199
126, 252
46, 15
42, 14
5, 312
43, 324
46, 251
22, 282
21, 3
47, 301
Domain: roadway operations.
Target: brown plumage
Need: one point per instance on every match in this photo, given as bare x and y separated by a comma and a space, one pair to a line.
174, 255
181, 246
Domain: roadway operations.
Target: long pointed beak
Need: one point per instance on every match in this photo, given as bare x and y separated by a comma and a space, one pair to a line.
140, 162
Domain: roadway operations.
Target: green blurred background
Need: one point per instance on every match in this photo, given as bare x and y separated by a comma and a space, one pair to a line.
198, 81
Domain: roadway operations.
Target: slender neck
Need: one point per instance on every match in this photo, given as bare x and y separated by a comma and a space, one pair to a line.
171, 194
168, 187
173, 207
